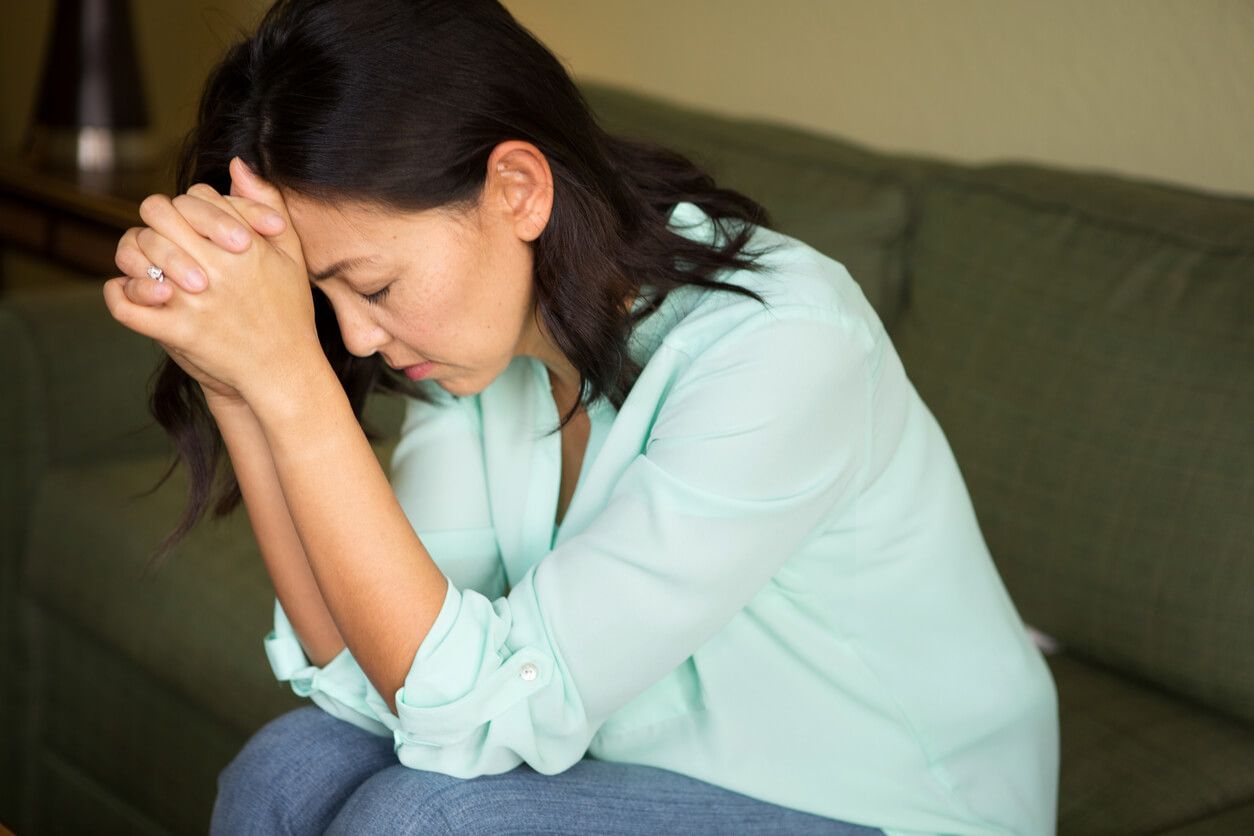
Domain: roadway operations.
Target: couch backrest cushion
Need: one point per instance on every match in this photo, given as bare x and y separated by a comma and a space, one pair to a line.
81, 381
1087, 344
839, 198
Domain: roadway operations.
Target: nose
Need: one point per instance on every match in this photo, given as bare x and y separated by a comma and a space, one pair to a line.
362, 335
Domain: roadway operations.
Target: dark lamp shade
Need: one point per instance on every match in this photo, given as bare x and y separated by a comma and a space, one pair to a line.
91, 75
91, 93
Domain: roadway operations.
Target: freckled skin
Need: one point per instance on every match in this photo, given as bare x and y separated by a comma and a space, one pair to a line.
459, 290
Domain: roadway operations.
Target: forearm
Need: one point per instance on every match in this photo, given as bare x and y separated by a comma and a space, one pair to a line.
378, 580
280, 546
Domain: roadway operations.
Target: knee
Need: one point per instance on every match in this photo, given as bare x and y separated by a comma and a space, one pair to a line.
401, 800
250, 796
486, 806
259, 761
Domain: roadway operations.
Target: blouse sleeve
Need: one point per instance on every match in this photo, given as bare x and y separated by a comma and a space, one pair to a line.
761, 436
437, 475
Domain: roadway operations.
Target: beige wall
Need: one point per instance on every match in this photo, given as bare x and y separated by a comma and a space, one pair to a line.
1147, 88
1162, 89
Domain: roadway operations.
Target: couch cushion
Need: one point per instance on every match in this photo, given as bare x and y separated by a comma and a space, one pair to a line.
119, 752
1135, 760
1086, 345
196, 623
838, 197
1238, 819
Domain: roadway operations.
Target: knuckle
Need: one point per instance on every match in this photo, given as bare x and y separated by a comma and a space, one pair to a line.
122, 254
201, 189
232, 230
151, 204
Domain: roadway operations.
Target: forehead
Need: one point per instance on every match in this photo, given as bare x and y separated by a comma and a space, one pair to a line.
345, 238
348, 220
351, 235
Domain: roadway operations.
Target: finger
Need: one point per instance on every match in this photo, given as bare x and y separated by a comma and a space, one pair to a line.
219, 224
147, 292
140, 247
247, 183
155, 322
158, 211
263, 219
240, 210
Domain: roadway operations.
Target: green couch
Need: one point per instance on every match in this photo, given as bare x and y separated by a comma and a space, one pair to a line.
1086, 342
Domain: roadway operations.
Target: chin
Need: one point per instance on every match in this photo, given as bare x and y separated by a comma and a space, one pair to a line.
457, 388
468, 383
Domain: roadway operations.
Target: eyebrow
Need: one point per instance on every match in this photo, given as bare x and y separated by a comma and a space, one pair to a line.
342, 266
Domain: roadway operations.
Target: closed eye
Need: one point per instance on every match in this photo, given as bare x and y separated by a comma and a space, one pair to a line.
376, 297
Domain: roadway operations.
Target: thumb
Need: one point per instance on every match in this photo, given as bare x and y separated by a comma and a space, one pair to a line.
246, 183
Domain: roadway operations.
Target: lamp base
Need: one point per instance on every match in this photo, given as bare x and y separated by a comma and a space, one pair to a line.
89, 149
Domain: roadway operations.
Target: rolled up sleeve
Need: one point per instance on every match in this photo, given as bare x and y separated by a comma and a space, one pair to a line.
339, 687
761, 435
437, 474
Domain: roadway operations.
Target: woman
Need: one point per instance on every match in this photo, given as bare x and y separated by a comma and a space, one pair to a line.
670, 544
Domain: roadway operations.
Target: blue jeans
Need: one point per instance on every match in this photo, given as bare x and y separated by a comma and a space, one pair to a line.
308, 772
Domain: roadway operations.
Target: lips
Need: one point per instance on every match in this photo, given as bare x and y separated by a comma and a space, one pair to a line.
419, 371
414, 371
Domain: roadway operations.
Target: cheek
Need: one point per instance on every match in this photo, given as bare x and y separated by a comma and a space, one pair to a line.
436, 319
497, 293
474, 303
514, 283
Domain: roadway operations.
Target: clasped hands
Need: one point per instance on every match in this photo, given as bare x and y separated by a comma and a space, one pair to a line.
247, 321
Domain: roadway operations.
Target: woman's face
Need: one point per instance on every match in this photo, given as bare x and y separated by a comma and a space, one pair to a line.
454, 290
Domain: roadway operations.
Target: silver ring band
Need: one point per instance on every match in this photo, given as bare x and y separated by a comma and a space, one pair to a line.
155, 272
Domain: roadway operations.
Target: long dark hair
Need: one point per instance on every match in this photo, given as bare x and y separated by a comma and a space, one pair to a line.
399, 104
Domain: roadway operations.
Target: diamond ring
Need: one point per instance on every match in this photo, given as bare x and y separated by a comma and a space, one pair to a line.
155, 272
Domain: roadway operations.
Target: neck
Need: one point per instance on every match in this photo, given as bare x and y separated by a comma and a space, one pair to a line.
563, 376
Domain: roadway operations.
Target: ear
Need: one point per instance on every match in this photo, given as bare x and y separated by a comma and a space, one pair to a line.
520, 182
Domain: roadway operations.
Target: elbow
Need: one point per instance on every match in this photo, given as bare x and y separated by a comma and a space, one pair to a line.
322, 657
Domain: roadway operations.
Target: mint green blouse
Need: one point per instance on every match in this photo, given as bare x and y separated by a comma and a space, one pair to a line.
770, 576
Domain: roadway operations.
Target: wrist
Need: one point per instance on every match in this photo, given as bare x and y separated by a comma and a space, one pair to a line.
290, 395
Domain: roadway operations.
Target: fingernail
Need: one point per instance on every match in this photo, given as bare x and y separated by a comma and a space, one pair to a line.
273, 221
197, 280
239, 237
248, 172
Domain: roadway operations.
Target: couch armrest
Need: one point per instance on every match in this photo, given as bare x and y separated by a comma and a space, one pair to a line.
74, 389
77, 385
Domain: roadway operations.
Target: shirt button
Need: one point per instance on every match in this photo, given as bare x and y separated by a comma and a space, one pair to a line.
529, 672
